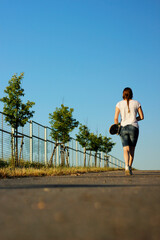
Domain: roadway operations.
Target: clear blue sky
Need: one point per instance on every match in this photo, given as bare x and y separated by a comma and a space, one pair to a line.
83, 53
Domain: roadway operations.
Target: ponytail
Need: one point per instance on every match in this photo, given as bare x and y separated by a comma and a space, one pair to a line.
127, 95
128, 105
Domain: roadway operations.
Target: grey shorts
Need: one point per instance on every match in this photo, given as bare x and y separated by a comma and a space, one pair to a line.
129, 135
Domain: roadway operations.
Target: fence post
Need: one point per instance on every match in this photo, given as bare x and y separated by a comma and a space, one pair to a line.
113, 162
2, 136
76, 153
13, 143
72, 152
31, 142
101, 159
22, 144
45, 145
57, 154
91, 160
68, 153
38, 143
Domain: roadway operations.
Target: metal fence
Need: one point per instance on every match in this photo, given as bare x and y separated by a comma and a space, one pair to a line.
38, 147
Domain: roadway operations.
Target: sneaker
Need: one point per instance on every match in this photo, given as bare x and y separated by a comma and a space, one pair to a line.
127, 172
130, 169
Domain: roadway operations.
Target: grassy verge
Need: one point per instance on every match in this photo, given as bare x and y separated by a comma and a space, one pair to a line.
8, 172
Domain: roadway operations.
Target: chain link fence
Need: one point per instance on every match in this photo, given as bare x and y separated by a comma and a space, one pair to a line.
38, 147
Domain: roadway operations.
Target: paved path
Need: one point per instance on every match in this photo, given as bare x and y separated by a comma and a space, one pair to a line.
94, 206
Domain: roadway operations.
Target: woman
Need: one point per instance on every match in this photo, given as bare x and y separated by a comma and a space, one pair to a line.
128, 109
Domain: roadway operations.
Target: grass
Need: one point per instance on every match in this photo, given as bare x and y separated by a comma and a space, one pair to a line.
8, 172
27, 169
25, 164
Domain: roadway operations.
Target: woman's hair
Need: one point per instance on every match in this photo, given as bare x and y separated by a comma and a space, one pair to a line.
127, 95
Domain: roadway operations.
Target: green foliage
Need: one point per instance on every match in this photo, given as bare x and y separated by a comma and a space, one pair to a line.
83, 136
3, 163
62, 123
107, 145
17, 113
27, 164
95, 142
98, 143
23, 164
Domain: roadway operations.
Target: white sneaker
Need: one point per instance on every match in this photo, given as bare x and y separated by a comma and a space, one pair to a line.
127, 173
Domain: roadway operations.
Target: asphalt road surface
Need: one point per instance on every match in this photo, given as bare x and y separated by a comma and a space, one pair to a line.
93, 206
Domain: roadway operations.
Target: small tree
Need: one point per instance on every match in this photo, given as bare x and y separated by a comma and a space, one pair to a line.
99, 143
107, 146
95, 144
62, 123
17, 112
83, 138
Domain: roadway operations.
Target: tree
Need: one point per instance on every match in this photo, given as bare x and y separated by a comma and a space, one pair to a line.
17, 112
107, 146
95, 144
99, 143
83, 138
62, 123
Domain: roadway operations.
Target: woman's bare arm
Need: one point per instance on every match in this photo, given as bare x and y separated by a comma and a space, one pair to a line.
117, 111
141, 115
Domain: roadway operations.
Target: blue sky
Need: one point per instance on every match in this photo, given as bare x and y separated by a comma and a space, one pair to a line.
83, 53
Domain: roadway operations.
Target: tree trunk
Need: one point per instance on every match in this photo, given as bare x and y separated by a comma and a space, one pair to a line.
53, 153
62, 155
84, 157
99, 160
21, 149
106, 160
95, 159
89, 159
16, 153
51, 158
67, 156
13, 147
55, 157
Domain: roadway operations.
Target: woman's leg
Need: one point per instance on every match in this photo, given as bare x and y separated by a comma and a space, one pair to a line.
131, 155
126, 154
133, 135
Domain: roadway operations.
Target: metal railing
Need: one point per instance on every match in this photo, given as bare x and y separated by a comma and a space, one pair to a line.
38, 147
